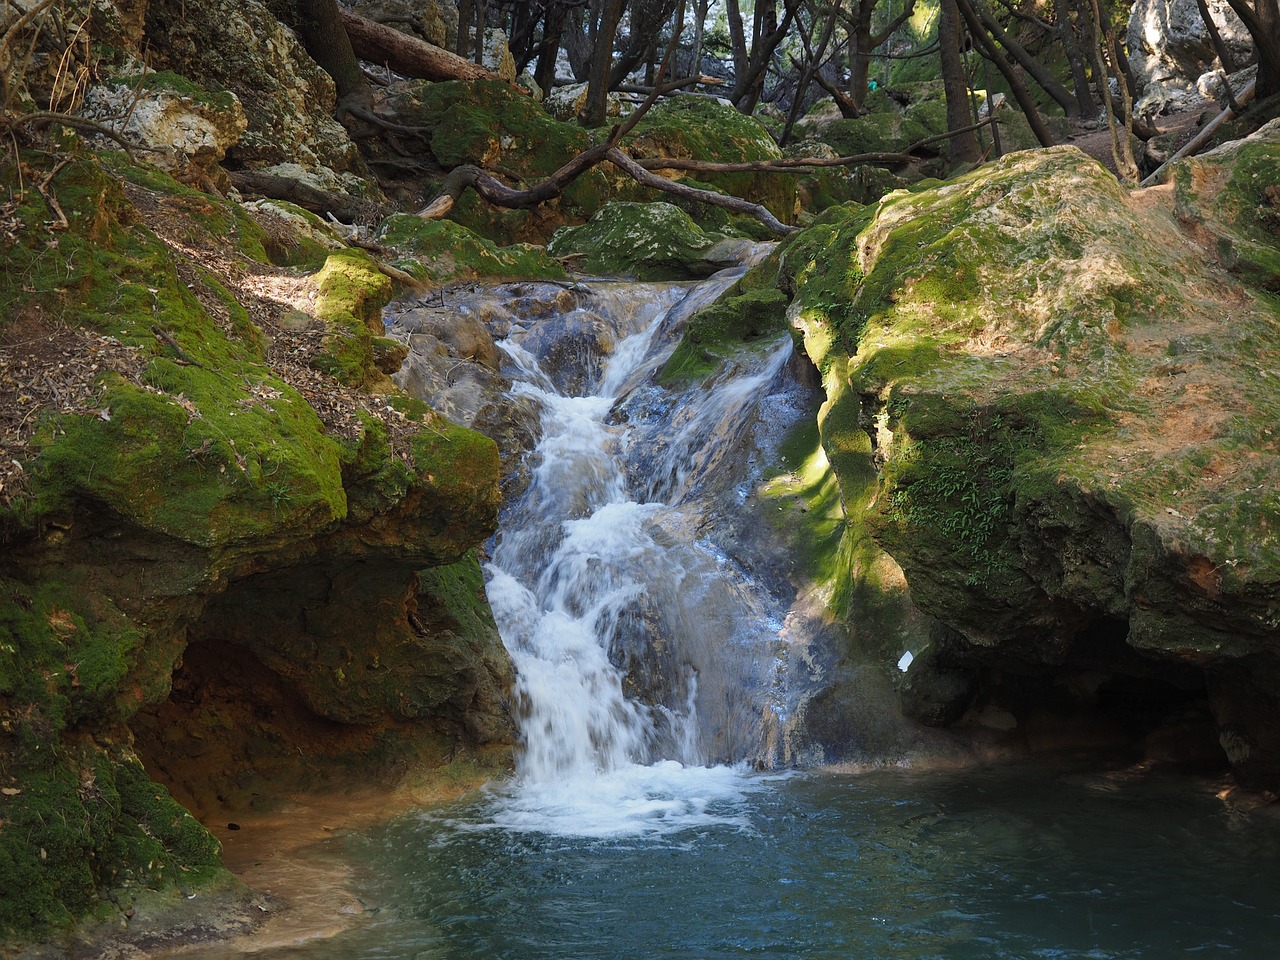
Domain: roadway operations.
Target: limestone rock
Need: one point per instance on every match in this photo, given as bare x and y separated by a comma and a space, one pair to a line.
238, 45
256, 579
649, 241
1064, 438
187, 129
1169, 46
436, 21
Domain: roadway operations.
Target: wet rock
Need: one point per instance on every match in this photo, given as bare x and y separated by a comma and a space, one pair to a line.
1041, 424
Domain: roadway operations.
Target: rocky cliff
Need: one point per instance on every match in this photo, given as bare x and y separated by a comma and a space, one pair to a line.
237, 562
1051, 405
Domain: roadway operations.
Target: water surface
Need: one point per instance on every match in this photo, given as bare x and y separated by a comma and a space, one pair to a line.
1022, 861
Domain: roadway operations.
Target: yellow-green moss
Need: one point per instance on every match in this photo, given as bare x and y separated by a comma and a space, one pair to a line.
445, 252
353, 292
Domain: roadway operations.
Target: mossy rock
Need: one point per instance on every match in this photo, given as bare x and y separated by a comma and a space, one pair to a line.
1049, 402
85, 828
1232, 193
649, 241
440, 252
752, 311
489, 124
183, 461
874, 133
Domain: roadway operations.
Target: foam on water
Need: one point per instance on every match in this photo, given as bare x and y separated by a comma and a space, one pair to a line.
582, 561
632, 801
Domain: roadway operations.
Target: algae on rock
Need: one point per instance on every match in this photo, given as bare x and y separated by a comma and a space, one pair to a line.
172, 465
1052, 437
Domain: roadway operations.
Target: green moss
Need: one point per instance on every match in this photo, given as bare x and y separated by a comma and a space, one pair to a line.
182, 86
874, 133
457, 591
445, 252
650, 241
353, 292
705, 129
742, 316
84, 825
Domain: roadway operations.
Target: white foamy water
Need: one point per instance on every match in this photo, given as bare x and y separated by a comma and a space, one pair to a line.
596, 589
643, 801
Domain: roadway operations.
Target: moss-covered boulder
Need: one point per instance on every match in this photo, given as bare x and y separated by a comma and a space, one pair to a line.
186, 494
440, 252
491, 125
1036, 409
648, 241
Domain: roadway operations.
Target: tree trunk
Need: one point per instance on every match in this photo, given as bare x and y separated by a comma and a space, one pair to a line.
964, 146
1262, 20
596, 108
1039, 73
1073, 44
1019, 89
323, 32
545, 72
408, 55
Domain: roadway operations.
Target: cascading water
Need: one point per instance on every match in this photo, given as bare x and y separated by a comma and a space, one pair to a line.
643, 654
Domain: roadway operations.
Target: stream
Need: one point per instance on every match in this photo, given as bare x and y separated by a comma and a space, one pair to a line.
649, 816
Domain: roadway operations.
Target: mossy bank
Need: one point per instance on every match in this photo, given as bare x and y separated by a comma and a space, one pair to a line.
235, 561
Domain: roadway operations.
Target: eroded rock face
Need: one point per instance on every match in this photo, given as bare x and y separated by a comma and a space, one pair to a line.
238, 45
187, 131
1170, 47
1066, 440
197, 500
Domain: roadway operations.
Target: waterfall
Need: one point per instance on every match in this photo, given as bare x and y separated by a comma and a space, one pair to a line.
644, 654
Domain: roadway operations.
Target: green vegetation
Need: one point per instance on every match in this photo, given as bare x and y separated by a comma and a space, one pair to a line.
439, 252
648, 241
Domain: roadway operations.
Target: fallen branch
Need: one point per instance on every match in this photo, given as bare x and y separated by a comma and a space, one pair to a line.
1204, 136
408, 55
345, 208
791, 164
647, 178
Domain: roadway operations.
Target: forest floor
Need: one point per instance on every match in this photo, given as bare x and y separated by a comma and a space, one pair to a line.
1176, 130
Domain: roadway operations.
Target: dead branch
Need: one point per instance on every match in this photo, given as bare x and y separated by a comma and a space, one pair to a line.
647, 178
1204, 136
45, 117
406, 54
794, 164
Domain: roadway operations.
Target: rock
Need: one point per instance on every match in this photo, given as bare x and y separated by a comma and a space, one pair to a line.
648, 241
442, 252
238, 45
1170, 47
1041, 424
496, 55
252, 577
434, 20
705, 128
186, 129
491, 125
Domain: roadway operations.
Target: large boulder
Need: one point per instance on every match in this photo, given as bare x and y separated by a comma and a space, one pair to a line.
648, 241
250, 575
238, 45
1170, 46
1063, 436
